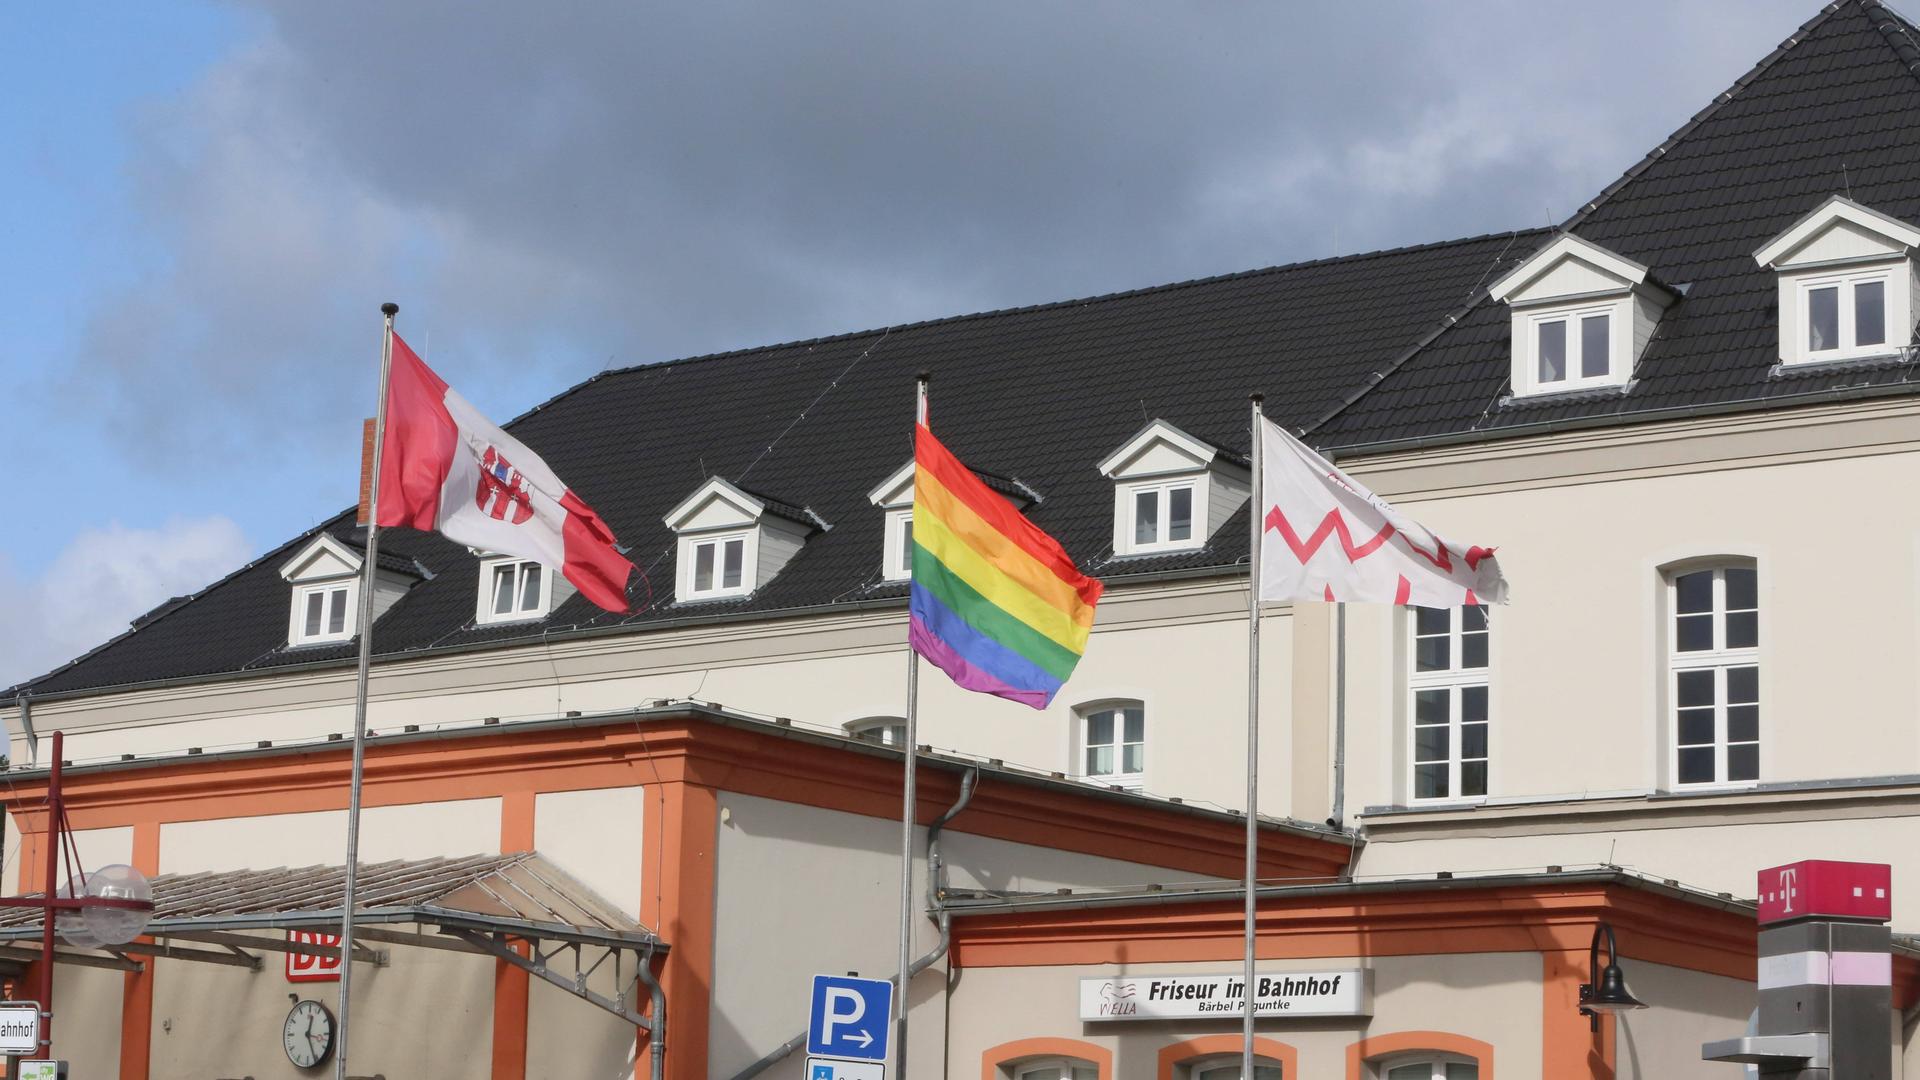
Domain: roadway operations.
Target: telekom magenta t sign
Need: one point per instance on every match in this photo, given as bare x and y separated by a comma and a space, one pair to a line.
1818, 888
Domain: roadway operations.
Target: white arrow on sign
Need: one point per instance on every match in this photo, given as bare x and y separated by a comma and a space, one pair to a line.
865, 1039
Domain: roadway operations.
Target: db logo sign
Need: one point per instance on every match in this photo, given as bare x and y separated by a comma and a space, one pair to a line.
304, 968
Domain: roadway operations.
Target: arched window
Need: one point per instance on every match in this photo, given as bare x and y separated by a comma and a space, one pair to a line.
1056, 1069
1217, 1057
885, 730
1713, 673
1419, 1055
1113, 743
1429, 1067
1227, 1067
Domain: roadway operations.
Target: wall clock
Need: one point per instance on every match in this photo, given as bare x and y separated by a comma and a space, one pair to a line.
307, 1034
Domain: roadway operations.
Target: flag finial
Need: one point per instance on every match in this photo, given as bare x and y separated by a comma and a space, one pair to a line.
1256, 397
390, 308
925, 375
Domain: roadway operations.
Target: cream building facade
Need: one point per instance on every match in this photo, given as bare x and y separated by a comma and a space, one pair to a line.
1685, 419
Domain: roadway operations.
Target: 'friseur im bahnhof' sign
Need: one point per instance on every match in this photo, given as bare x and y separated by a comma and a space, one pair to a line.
1277, 993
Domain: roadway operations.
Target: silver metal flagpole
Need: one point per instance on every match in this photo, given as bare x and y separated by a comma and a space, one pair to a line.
912, 738
365, 620
1254, 530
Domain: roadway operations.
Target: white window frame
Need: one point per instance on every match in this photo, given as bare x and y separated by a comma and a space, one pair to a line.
1193, 1070
1435, 1061
1162, 490
1719, 660
690, 557
1526, 327
866, 726
897, 551
1026, 1069
349, 602
1083, 744
1455, 680
1803, 289
484, 613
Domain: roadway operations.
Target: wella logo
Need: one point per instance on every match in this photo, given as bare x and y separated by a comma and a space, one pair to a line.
1116, 999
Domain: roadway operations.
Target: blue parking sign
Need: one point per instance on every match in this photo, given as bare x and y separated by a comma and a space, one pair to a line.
849, 1018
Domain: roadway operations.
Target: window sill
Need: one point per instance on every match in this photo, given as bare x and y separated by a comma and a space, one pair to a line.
1789, 369
321, 643
1590, 392
710, 598
512, 620
1604, 810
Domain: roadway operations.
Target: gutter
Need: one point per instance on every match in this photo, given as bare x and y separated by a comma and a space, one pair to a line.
572, 633
697, 710
1676, 412
936, 891
1216, 894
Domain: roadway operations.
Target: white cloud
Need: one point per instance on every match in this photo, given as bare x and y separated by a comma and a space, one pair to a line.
102, 579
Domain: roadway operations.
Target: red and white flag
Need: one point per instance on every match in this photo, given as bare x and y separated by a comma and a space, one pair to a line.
446, 468
1326, 537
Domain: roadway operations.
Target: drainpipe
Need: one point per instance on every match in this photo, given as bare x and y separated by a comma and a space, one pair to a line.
23, 703
657, 1035
934, 890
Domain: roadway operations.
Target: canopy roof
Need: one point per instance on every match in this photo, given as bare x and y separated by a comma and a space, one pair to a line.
482, 904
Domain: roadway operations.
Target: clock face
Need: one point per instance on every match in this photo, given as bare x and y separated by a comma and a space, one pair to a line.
308, 1034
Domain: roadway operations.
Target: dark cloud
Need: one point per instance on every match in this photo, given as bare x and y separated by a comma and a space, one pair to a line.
545, 187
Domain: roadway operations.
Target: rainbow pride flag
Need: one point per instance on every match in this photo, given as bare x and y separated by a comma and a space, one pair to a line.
997, 604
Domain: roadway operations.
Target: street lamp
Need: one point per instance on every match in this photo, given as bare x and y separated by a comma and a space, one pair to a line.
1608, 992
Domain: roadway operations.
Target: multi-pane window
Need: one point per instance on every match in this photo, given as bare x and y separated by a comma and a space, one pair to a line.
515, 591
1163, 517
1715, 669
885, 730
1432, 1069
719, 566
322, 614
1573, 348
1448, 683
1844, 316
1115, 746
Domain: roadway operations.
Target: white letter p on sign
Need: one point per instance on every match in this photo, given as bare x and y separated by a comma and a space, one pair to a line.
834, 1017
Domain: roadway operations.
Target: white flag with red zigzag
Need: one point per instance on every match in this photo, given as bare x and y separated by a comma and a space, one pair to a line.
1326, 537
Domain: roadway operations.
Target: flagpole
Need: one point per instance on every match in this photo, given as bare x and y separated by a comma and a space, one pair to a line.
1254, 530
365, 620
912, 737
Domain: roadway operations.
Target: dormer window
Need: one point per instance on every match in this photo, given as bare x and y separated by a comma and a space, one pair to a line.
517, 590
325, 576
1581, 317
719, 566
1171, 490
1847, 280
1163, 516
894, 496
733, 541
322, 613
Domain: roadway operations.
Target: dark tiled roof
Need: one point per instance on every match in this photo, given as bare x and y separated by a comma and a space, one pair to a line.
1834, 110
1040, 393
1361, 350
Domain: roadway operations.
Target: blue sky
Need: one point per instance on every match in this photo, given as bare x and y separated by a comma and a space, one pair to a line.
204, 205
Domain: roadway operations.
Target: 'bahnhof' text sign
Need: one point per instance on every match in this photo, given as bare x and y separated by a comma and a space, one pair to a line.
1173, 997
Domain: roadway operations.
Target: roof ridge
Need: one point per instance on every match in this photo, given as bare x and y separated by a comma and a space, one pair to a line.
1904, 46
1725, 96
1050, 305
1447, 321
